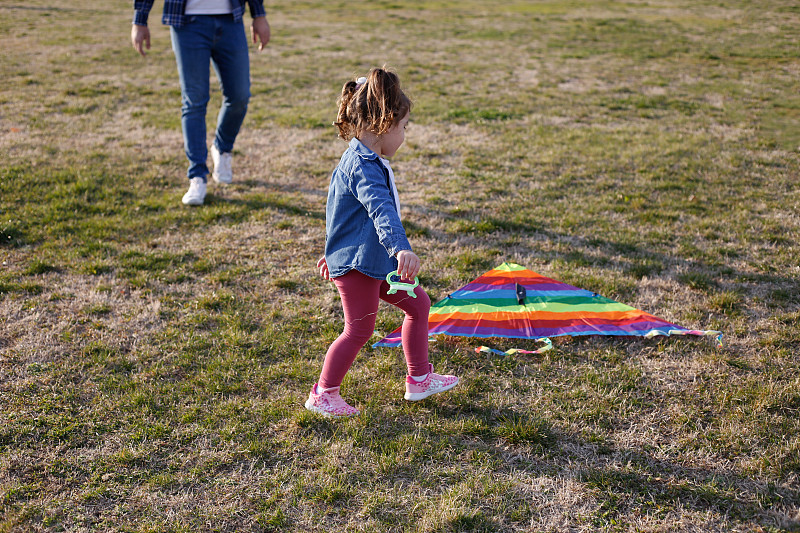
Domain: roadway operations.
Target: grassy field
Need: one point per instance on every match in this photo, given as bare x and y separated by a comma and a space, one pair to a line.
154, 358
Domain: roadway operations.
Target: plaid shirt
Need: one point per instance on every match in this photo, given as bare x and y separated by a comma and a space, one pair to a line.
173, 11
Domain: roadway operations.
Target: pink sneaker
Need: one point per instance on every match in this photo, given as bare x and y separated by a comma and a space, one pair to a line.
329, 403
430, 385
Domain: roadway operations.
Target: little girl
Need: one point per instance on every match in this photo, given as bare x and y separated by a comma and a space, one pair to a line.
365, 241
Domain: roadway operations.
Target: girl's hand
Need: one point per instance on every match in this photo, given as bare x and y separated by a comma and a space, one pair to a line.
408, 264
323, 268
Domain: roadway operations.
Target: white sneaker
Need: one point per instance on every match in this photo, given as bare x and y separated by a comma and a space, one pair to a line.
196, 193
223, 173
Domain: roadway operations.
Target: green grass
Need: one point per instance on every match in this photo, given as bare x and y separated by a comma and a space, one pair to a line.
154, 359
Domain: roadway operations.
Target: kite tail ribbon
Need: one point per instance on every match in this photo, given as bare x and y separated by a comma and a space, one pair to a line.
708, 333
700, 333
548, 345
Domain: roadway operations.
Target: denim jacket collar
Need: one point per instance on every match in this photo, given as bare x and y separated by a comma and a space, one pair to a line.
361, 150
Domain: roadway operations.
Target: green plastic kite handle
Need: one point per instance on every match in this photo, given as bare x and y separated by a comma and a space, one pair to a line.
398, 285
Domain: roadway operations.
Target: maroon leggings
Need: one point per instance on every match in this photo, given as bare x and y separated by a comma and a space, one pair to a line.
360, 297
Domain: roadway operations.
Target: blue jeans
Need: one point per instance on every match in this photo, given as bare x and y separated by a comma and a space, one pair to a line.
221, 40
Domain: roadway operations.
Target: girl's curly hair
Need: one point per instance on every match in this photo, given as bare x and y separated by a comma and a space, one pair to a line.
371, 106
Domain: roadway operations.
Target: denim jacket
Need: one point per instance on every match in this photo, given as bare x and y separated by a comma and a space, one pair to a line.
363, 229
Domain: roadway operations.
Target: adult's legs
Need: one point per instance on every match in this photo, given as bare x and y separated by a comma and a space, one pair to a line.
231, 59
192, 45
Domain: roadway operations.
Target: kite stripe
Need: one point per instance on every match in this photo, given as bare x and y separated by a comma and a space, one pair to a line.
596, 322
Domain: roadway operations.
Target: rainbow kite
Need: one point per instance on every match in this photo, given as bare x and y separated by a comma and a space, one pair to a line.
513, 302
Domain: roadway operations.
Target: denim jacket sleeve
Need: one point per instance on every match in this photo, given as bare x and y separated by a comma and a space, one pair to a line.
369, 183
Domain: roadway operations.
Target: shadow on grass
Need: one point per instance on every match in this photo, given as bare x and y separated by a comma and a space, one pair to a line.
635, 261
648, 484
629, 481
278, 202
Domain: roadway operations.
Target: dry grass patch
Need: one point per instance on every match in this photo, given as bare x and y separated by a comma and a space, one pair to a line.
154, 359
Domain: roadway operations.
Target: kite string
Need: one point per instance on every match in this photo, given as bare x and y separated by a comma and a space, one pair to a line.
396, 304
375, 313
